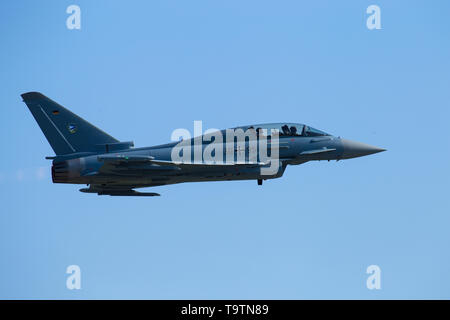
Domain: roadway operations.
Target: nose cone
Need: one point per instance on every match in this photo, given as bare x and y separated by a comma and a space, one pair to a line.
353, 149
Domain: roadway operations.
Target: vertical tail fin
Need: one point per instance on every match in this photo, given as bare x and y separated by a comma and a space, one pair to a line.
65, 131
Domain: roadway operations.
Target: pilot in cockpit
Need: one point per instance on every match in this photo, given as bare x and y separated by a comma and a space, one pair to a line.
294, 131
286, 131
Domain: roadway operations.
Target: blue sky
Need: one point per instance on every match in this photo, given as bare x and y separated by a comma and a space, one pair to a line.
141, 69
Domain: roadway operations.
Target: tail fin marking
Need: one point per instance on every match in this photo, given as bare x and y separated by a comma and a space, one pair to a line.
65, 131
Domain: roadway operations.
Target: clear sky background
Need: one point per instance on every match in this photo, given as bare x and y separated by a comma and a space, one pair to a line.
140, 69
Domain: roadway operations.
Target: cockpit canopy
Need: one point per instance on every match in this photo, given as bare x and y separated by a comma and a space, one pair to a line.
287, 129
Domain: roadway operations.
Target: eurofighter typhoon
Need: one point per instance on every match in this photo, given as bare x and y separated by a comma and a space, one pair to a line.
87, 155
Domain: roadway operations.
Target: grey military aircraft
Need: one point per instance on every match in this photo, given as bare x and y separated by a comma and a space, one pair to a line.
87, 155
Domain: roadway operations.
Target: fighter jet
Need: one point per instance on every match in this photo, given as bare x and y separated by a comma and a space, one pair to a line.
87, 155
